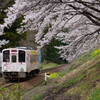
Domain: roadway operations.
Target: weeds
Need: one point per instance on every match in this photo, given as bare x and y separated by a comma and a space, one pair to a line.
80, 60
54, 75
37, 97
57, 75
75, 82
69, 83
54, 91
48, 65
95, 95
95, 53
15, 93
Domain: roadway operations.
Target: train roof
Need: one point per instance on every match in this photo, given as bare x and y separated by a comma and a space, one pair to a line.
26, 48
23, 48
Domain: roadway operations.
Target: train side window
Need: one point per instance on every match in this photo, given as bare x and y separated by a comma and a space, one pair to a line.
21, 56
6, 57
13, 58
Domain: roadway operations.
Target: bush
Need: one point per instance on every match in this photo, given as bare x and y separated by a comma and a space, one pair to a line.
54, 75
95, 53
14, 93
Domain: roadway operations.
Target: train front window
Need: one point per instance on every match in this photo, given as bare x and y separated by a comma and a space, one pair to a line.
21, 56
13, 58
6, 57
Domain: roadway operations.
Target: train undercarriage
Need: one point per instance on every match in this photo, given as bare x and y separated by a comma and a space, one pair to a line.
16, 75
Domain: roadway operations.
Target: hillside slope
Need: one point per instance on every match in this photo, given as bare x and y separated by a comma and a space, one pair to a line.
81, 81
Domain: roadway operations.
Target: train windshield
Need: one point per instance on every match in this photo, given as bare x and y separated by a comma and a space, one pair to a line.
21, 55
6, 57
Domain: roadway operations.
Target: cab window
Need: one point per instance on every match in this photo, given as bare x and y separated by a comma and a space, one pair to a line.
6, 57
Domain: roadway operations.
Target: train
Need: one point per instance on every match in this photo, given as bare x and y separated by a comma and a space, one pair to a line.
0, 64
20, 62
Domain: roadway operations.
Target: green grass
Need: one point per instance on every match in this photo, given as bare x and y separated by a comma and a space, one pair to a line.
14, 93
95, 95
48, 65
80, 60
81, 78
69, 83
54, 91
37, 97
58, 74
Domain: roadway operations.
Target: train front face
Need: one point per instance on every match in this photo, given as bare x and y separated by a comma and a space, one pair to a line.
13, 63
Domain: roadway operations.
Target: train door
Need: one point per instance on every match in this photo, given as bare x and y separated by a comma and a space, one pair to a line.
14, 62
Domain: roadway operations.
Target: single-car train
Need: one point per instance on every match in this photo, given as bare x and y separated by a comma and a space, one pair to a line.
20, 62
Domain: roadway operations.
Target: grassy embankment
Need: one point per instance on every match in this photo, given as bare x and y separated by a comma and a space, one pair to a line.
80, 81
45, 65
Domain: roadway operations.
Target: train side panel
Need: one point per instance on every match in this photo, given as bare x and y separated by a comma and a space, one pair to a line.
0, 64
35, 59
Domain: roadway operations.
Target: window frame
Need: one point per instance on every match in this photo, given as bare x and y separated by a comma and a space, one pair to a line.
6, 56
21, 57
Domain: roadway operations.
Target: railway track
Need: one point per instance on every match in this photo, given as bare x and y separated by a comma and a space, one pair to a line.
5, 84
33, 81
52, 69
29, 84
36, 80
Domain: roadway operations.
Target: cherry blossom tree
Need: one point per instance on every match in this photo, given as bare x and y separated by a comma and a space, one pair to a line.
3, 5
81, 19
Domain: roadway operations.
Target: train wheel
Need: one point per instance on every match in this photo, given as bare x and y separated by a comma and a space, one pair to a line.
27, 75
37, 71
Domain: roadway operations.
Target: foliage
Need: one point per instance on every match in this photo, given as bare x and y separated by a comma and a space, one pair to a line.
51, 54
80, 60
48, 65
73, 81
15, 93
82, 81
11, 34
96, 52
37, 97
54, 91
4, 4
58, 74
54, 75
95, 95
80, 18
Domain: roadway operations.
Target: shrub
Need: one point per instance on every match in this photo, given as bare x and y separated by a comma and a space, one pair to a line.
37, 97
54, 75
14, 93
95, 53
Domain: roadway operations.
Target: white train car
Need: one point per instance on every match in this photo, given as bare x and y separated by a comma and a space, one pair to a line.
20, 63
0, 64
